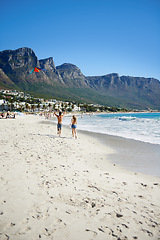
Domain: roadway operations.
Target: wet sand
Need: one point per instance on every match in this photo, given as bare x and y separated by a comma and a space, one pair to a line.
136, 156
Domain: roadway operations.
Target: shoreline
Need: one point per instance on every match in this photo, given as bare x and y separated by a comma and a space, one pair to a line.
61, 188
128, 149
143, 128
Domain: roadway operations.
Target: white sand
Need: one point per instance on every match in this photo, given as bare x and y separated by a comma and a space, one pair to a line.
62, 188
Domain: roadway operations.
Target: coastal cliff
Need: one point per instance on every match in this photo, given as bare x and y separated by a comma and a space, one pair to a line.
67, 82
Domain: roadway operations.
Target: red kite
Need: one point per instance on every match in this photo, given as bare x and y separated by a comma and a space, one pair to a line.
37, 70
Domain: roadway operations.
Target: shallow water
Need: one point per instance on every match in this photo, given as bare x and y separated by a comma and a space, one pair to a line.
138, 126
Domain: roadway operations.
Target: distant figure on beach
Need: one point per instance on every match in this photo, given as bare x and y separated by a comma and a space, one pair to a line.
2, 115
59, 118
7, 115
13, 116
74, 126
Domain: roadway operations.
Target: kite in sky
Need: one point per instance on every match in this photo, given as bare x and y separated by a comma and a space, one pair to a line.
37, 70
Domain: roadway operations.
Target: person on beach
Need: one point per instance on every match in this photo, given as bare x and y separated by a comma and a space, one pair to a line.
74, 126
2, 115
8, 115
59, 118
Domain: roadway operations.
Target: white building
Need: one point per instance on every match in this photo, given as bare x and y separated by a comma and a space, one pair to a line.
3, 105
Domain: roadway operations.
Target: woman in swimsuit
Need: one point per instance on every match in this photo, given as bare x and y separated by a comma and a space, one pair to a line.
74, 126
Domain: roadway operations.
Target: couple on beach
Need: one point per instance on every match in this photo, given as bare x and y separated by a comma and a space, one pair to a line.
73, 123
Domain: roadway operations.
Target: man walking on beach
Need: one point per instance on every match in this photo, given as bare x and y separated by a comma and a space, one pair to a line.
59, 118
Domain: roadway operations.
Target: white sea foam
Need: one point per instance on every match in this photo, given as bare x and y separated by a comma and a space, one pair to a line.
138, 126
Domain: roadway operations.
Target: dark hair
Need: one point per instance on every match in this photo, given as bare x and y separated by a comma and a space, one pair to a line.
75, 118
60, 113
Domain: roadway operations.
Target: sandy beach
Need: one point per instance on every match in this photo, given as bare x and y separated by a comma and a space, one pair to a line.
59, 188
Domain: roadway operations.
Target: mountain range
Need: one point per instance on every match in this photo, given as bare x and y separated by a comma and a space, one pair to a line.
66, 82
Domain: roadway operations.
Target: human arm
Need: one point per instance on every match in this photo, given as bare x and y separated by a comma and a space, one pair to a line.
55, 114
64, 112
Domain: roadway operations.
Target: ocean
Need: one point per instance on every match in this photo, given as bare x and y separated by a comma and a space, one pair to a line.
135, 137
144, 127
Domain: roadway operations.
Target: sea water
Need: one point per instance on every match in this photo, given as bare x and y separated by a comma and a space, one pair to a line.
144, 127
139, 156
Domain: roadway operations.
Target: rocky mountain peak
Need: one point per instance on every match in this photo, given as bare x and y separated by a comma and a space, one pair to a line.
47, 63
22, 57
70, 70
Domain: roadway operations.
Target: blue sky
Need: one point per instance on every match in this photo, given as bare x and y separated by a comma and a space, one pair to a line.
99, 36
